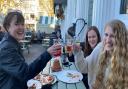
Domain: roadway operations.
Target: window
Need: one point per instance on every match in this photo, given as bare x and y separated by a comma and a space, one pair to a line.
124, 7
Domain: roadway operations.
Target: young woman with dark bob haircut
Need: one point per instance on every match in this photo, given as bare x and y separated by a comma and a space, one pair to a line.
14, 72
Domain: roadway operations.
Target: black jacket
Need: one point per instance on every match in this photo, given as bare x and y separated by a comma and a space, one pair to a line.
1, 35
14, 72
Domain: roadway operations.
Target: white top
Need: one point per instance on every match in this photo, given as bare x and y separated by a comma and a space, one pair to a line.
89, 64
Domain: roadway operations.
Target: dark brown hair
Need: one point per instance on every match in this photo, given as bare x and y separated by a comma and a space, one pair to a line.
9, 17
88, 48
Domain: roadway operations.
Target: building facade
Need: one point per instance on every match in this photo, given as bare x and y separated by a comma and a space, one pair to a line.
94, 12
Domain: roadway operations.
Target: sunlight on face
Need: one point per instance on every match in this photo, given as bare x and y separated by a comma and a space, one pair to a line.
92, 38
109, 39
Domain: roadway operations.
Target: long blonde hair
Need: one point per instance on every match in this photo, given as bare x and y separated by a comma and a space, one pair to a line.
118, 60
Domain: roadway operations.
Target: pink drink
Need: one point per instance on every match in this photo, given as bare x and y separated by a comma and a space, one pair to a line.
58, 53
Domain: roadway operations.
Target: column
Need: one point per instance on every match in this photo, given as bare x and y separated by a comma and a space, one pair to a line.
69, 16
81, 12
103, 11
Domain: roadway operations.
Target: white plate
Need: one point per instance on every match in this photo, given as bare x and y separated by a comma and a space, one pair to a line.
36, 82
69, 76
55, 79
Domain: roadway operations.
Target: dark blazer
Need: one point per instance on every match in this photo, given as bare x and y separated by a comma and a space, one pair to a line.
1, 35
14, 72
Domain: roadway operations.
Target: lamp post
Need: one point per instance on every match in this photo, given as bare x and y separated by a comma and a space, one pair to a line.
74, 24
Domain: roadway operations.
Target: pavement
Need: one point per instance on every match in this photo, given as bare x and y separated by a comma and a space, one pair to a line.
34, 51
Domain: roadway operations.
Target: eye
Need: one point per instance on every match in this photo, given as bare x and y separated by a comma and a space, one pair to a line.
112, 36
22, 24
93, 36
19, 24
106, 34
16, 23
89, 37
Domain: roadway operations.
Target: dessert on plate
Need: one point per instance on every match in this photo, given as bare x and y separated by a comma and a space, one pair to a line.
46, 79
56, 65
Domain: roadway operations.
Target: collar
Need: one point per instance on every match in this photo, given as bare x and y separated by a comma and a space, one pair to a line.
11, 39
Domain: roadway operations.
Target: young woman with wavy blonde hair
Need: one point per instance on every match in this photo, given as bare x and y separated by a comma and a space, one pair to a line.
113, 61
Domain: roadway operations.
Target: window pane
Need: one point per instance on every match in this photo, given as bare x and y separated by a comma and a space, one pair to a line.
123, 6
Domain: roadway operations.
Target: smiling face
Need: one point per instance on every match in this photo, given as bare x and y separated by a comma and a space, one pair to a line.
16, 29
109, 39
14, 25
92, 38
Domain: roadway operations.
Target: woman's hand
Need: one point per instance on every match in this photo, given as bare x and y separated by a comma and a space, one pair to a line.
76, 48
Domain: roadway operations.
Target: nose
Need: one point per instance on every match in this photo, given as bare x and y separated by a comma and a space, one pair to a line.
108, 39
91, 39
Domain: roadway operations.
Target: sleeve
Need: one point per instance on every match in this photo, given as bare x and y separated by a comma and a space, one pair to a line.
93, 58
89, 63
13, 64
81, 62
39, 64
93, 62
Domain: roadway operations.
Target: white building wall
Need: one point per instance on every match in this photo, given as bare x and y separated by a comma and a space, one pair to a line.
81, 12
75, 9
90, 9
106, 10
103, 11
122, 17
70, 12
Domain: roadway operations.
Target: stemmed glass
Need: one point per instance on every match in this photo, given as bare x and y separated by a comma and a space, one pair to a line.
56, 66
67, 49
69, 46
76, 45
58, 51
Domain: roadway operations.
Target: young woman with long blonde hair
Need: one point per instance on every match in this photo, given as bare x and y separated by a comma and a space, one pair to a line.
113, 61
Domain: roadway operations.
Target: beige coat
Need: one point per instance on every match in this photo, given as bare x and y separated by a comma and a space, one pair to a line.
89, 64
